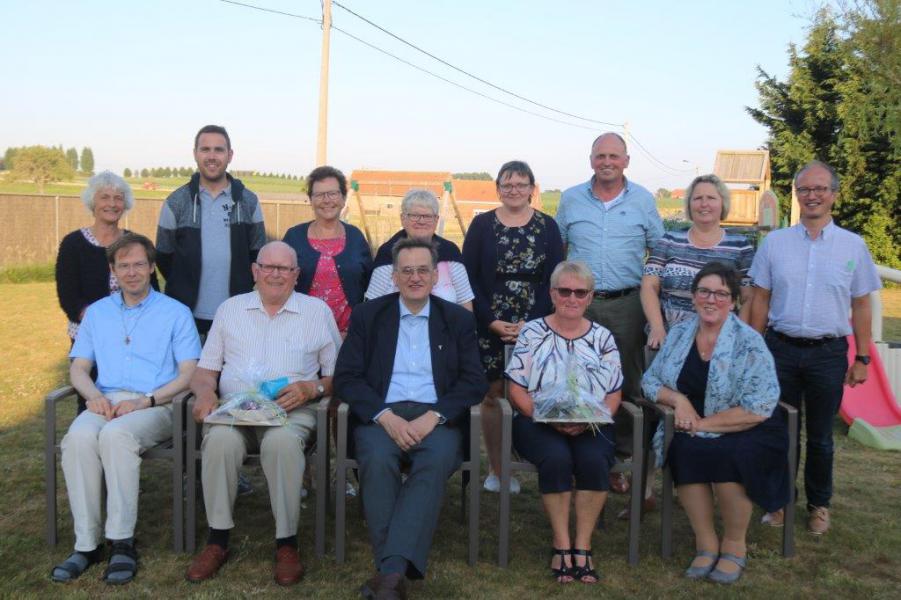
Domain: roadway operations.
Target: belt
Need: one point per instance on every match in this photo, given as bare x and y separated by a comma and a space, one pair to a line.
604, 295
801, 342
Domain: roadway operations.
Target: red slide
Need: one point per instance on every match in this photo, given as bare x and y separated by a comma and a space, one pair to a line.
872, 401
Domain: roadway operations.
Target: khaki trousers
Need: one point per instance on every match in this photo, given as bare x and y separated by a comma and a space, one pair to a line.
282, 455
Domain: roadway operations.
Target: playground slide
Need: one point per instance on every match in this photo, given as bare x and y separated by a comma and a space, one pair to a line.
870, 408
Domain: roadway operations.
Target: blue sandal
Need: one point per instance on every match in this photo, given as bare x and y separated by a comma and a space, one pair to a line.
702, 572
726, 578
73, 567
123, 560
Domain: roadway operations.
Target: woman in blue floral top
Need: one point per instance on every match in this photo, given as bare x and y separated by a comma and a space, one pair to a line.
730, 442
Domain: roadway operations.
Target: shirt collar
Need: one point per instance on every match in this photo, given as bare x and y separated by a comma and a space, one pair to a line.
225, 192
824, 232
404, 311
255, 302
120, 302
627, 185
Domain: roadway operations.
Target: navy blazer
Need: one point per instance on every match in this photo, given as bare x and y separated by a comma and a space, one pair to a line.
366, 360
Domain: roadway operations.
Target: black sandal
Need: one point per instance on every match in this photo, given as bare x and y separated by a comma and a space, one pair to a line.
72, 568
586, 570
563, 574
130, 567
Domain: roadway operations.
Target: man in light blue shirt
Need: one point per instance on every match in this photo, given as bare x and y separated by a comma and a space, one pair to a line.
145, 346
807, 278
610, 223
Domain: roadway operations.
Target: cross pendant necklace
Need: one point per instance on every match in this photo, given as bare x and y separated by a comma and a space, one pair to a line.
125, 329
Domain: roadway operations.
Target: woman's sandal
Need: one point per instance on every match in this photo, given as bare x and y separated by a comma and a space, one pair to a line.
585, 573
73, 567
702, 572
563, 574
726, 578
123, 559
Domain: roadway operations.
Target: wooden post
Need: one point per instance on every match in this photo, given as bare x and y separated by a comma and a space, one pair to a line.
449, 188
322, 136
355, 187
56, 220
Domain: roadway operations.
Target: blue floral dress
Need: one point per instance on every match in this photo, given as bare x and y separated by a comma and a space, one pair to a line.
520, 267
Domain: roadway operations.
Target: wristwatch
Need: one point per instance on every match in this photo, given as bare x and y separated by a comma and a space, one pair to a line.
320, 389
862, 359
149, 396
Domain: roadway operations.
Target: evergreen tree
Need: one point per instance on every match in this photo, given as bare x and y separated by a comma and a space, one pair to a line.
72, 157
87, 160
834, 107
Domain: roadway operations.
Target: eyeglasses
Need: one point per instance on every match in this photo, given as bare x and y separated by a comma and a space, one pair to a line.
408, 272
420, 218
567, 292
331, 195
506, 188
819, 190
719, 295
280, 269
137, 266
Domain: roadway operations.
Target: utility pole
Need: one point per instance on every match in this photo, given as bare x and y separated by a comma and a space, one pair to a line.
322, 136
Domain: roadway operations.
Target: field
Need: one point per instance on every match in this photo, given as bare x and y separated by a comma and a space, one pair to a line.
859, 558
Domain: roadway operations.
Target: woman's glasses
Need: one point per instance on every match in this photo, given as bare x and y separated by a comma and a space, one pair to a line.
567, 292
719, 295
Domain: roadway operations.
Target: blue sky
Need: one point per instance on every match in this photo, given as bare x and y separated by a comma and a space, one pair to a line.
135, 79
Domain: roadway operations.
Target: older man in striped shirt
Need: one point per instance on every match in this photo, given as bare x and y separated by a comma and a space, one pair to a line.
286, 334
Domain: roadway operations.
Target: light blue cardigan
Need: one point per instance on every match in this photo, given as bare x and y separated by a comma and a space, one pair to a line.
742, 372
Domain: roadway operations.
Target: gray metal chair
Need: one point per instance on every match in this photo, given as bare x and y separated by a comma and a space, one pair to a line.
666, 516
472, 467
172, 449
317, 455
510, 463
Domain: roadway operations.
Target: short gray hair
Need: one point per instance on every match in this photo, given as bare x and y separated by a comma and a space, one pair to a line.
721, 189
419, 198
107, 179
573, 267
822, 165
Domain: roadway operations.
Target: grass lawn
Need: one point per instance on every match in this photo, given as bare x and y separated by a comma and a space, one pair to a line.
859, 558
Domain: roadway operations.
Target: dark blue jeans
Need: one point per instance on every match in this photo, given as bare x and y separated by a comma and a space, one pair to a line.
813, 376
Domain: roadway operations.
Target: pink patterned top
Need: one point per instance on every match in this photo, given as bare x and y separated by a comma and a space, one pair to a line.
326, 284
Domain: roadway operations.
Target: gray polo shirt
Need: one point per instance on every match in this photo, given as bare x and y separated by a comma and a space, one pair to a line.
215, 251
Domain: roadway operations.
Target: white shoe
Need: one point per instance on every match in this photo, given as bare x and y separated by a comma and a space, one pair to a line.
493, 484
349, 490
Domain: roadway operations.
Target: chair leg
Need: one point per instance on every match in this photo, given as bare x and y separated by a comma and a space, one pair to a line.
474, 484
178, 470
788, 529
503, 538
666, 515
320, 460
50, 474
340, 496
191, 456
637, 497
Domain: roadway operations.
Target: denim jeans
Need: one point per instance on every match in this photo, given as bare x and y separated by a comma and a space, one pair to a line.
812, 379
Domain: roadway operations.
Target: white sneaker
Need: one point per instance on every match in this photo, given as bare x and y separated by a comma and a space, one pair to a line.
493, 484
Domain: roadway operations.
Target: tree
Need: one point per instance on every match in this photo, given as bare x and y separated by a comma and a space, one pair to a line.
478, 176
72, 158
126, 173
836, 106
41, 165
145, 173
663, 194
8, 158
87, 160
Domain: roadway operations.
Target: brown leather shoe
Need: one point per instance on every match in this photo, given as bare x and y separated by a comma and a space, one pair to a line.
288, 569
207, 563
619, 483
818, 523
385, 587
774, 519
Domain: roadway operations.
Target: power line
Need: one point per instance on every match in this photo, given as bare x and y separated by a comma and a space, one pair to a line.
461, 86
273, 11
468, 74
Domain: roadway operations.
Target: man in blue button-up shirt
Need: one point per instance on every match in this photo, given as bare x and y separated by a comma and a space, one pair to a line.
145, 346
807, 278
610, 223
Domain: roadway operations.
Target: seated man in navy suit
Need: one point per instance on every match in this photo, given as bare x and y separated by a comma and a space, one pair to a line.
409, 370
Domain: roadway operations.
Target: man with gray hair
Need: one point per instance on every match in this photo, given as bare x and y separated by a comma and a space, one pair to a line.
282, 334
610, 223
807, 277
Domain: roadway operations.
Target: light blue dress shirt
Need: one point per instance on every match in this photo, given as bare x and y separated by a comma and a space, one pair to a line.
812, 282
160, 333
411, 378
612, 240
